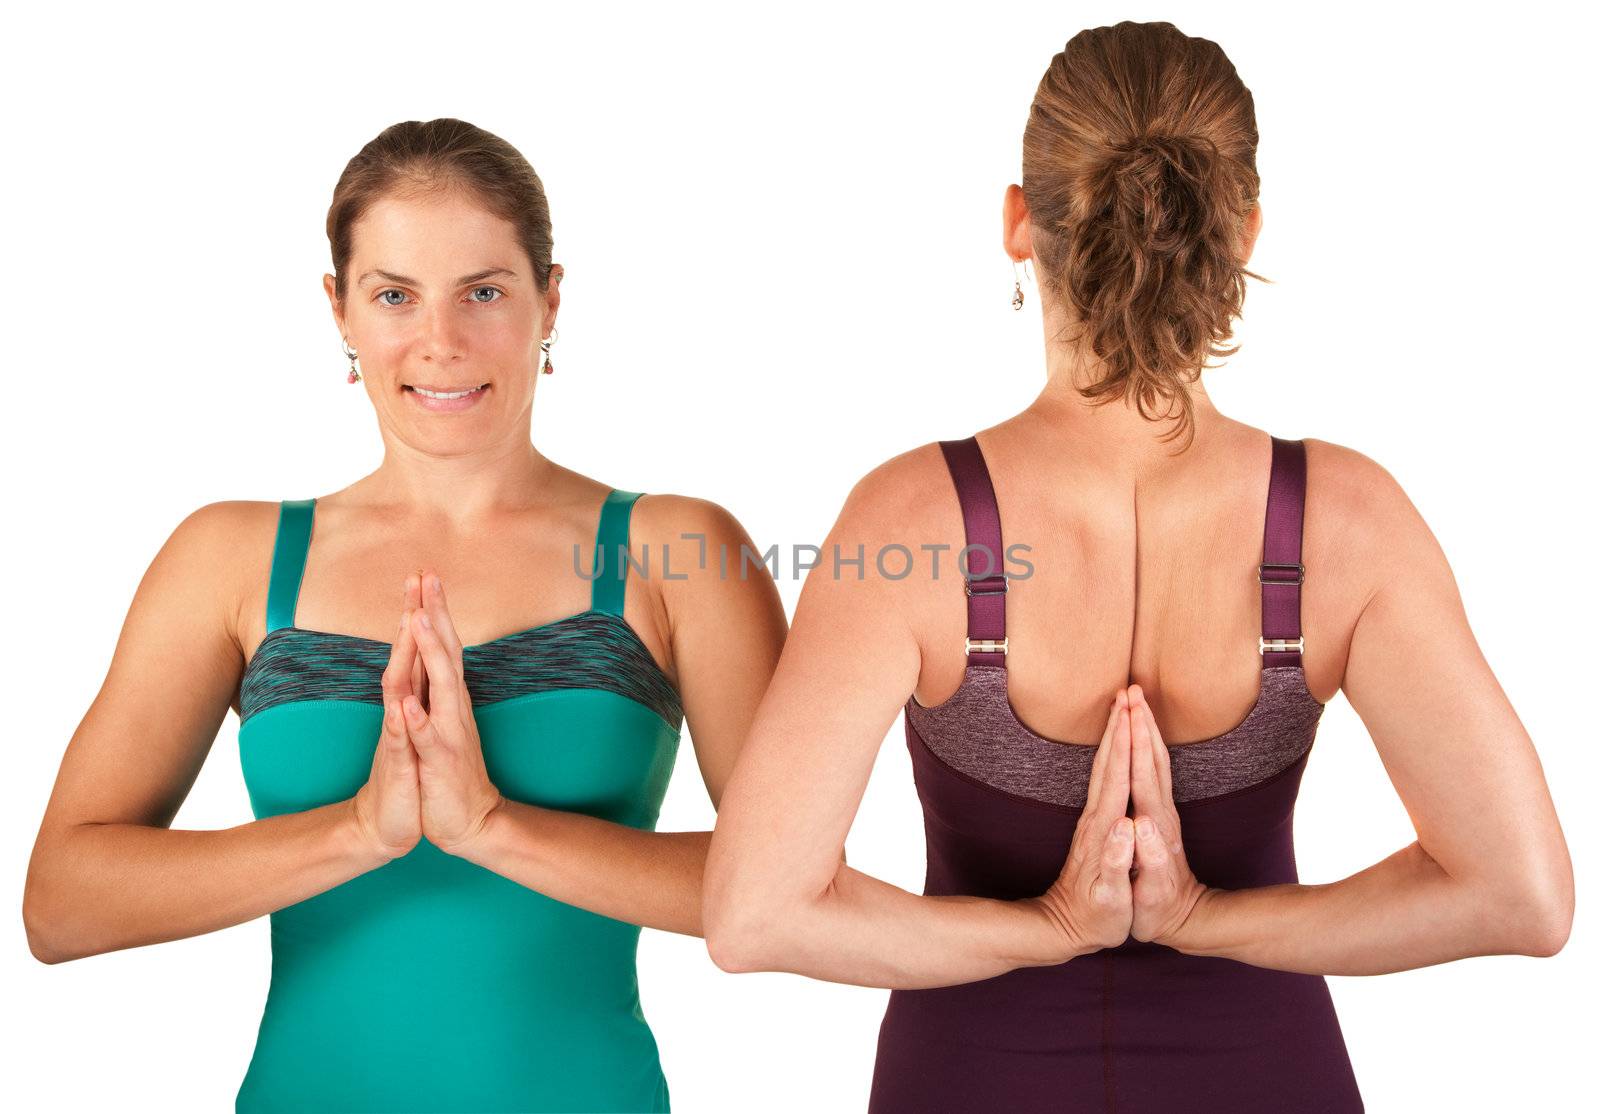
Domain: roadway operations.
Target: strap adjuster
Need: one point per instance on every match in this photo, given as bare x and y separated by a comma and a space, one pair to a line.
1299, 578
973, 589
988, 645
1284, 645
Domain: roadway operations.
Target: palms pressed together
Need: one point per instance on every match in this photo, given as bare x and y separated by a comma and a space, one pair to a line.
428, 775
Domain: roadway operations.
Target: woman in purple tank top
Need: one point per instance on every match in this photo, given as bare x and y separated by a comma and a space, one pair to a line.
1117, 924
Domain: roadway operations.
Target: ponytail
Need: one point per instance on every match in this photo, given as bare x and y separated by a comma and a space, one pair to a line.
1138, 204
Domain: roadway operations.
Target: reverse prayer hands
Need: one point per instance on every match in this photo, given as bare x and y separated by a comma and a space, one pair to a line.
1126, 874
457, 797
1165, 890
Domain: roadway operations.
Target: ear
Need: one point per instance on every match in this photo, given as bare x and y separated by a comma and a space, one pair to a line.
330, 288
1016, 232
552, 297
1252, 229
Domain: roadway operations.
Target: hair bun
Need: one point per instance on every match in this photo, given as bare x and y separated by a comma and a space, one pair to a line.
1160, 188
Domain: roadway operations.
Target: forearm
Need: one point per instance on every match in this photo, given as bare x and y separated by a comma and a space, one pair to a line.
630, 874
104, 887
1399, 914
867, 932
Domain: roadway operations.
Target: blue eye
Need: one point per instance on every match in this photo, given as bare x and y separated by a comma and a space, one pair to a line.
382, 296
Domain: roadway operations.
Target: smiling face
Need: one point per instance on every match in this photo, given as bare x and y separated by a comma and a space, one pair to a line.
442, 297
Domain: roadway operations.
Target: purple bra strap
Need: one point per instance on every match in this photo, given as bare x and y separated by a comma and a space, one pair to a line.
1281, 572
982, 560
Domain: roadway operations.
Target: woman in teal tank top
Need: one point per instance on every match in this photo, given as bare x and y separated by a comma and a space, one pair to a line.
419, 965
541, 997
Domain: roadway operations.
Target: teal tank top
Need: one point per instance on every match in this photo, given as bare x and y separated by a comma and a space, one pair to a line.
431, 983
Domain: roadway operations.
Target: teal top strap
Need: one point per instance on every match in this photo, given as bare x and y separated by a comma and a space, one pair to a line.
288, 561
611, 552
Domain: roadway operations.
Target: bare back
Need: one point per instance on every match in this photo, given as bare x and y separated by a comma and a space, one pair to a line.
1148, 579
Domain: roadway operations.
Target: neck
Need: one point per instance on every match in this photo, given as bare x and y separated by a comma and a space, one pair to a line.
1114, 429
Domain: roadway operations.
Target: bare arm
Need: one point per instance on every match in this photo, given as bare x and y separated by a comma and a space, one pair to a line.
777, 894
726, 635
107, 872
1489, 872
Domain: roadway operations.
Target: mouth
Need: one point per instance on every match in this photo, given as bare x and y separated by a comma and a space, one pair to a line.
442, 398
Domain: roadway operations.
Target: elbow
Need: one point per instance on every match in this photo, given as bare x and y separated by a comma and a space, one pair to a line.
1550, 921
742, 927
56, 932
733, 950
37, 925
1537, 919
738, 938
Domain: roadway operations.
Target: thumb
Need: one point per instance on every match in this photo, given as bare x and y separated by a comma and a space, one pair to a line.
419, 726
1115, 861
1152, 852
399, 753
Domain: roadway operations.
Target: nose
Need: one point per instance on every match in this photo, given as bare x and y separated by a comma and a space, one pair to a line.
443, 340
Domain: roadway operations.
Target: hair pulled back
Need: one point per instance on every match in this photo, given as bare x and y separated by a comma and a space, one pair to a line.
420, 157
1139, 168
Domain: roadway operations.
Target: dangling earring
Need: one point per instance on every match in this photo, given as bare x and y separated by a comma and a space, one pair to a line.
350, 354
1016, 298
544, 346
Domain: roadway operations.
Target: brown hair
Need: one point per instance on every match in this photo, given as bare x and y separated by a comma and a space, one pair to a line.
1138, 168
418, 157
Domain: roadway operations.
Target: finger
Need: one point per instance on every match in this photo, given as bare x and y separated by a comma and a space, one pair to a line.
419, 678
397, 739
420, 729
1114, 789
1113, 882
396, 672
1163, 757
1112, 805
1161, 808
1142, 761
1097, 767
443, 672
1151, 849
434, 603
1090, 818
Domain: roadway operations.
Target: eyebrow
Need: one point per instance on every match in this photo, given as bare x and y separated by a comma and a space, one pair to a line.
476, 276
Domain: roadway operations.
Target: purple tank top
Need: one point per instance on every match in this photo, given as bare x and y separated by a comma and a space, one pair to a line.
1139, 1027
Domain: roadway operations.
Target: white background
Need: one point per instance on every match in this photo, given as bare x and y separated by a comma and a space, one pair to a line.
781, 231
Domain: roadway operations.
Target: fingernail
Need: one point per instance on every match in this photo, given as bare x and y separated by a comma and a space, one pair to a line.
1120, 831
425, 621
437, 584
1146, 829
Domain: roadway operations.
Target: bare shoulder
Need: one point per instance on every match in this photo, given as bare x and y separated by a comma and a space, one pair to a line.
1364, 518
222, 553
907, 498
706, 572
666, 517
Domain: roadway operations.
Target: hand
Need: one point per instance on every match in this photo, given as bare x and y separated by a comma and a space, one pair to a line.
388, 808
457, 796
1165, 890
1091, 902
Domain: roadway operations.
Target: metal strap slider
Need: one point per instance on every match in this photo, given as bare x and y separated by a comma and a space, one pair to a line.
1284, 645
988, 645
1299, 578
